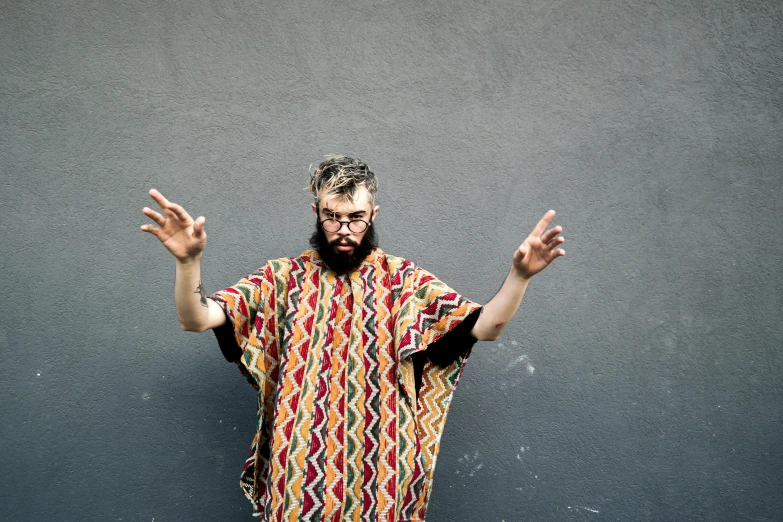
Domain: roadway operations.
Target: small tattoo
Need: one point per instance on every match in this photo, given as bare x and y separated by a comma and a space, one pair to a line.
200, 291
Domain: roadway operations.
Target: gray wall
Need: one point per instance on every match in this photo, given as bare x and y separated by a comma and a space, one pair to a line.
641, 379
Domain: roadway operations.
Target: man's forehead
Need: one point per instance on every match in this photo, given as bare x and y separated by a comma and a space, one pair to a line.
342, 205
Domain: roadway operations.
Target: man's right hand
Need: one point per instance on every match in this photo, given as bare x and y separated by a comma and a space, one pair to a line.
179, 233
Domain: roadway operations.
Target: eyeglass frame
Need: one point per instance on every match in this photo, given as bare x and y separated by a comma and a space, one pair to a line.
346, 223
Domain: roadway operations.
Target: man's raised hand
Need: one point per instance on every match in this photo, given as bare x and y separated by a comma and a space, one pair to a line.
538, 249
179, 233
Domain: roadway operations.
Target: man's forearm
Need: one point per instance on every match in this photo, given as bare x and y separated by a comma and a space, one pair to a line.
497, 313
194, 311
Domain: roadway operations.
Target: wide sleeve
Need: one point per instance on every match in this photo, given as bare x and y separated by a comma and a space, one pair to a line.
243, 305
448, 349
254, 309
428, 309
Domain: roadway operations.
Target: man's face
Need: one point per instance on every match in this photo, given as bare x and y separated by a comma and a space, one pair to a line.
345, 242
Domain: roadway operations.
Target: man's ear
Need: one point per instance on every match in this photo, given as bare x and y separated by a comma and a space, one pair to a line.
375, 212
315, 209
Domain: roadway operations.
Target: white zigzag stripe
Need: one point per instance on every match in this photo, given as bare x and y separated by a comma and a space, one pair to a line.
279, 299
318, 430
386, 361
339, 448
372, 415
306, 412
285, 403
351, 434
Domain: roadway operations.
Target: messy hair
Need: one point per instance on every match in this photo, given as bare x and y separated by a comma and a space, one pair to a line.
341, 176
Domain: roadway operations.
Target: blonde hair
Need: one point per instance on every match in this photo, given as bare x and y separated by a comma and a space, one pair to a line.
340, 175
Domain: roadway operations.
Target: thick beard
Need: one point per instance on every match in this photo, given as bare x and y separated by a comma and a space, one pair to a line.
342, 262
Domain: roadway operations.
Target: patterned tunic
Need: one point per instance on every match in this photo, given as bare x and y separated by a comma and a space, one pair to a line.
342, 434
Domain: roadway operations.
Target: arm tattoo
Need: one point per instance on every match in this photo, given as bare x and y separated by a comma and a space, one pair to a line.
200, 291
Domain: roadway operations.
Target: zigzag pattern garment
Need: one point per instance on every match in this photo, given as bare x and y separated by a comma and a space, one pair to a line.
341, 434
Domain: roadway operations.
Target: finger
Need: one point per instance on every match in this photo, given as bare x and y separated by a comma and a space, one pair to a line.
156, 217
198, 227
180, 212
151, 229
555, 242
551, 233
541, 226
159, 198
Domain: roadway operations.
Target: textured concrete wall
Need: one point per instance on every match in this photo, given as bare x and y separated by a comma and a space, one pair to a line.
641, 379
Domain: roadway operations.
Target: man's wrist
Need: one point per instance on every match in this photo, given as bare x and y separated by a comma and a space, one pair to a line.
519, 276
188, 261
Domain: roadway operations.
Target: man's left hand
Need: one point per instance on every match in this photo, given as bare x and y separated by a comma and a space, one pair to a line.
538, 250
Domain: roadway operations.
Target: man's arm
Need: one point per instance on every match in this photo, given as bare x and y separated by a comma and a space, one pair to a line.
496, 314
195, 312
533, 255
185, 239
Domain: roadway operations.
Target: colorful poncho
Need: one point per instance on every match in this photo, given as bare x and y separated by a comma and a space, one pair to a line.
341, 433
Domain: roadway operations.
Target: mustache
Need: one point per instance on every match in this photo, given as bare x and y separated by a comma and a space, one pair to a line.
343, 242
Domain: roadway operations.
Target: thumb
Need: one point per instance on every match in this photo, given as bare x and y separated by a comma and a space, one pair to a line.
522, 251
198, 227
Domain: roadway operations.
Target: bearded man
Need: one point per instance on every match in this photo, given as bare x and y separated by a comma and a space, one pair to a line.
355, 353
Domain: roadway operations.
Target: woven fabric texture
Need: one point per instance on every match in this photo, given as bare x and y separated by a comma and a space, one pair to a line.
341, 433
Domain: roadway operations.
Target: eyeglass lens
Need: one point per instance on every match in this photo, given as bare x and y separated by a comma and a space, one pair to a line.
355, 226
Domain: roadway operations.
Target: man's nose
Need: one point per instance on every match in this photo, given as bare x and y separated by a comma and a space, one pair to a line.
344, 230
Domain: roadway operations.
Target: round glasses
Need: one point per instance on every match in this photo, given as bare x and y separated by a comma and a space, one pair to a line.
355, 225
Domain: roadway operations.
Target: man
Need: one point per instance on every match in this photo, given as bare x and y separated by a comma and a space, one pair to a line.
355, 353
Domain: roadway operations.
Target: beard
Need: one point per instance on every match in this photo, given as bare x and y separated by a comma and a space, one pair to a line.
343, 262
